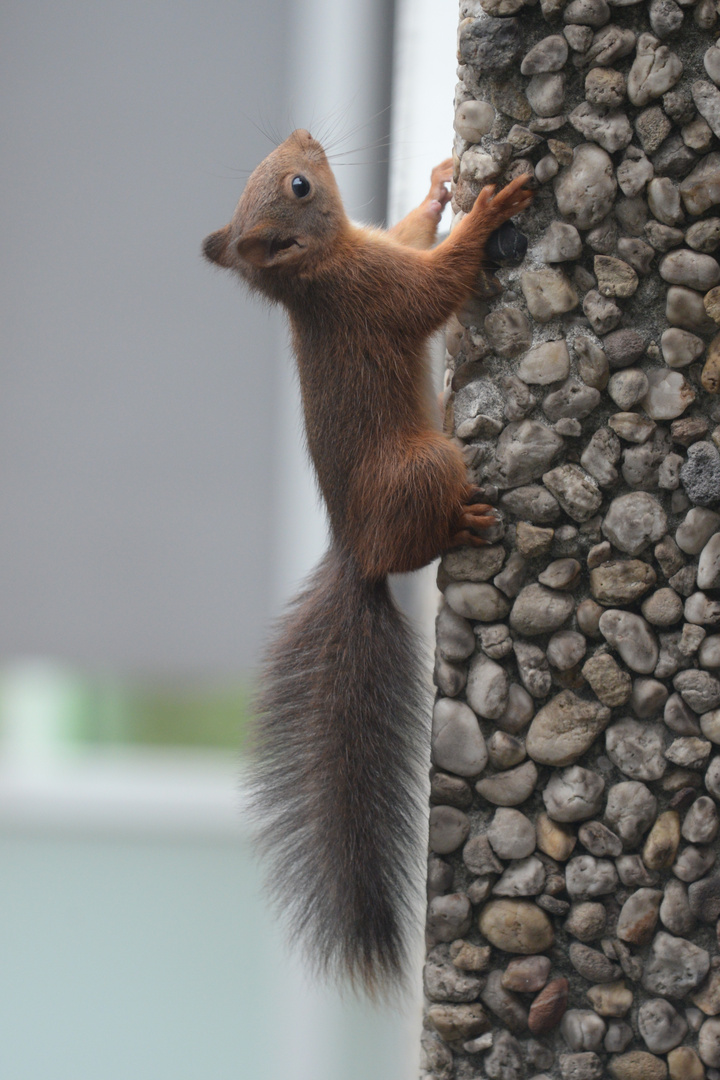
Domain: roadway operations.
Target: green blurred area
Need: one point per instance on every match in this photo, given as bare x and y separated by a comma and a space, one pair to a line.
45, 705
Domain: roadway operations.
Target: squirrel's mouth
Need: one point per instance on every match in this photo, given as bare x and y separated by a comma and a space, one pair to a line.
277, 245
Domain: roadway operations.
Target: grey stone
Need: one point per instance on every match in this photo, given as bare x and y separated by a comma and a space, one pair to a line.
548, 292
680, 347
546, 363
619, 1035
675, 966
708, 575
505, 1061
511, 579
533, 669
586, 921
566, 649
565, 728
443, 981
538, 610
490, 45
693, 863
587, 877
546, 94
495, 640
457, 743
601, 455
701, 821
455, 638
679, 717
704, 899
572, 399
585, 1066
699, 689
690, 268
633, 872
583, 1029
449, 917
704, 235
476, 600
510, 788
685, 308
524, 452
586, 189
628, 387
631, 427
602, 313
549, 54
669, 394
665, 17
575, 490
605, 86
473, 119
608, 127
532, 503
664, 202
633, 639
599, 840
674, 158
701, 189
675, 913
449, 828
623, 347
653, 127
479, 857
637, 749
637, 253
587, 12
709, 1043
661, 1026
662, 608
511, 834
524, 877
487, 687
707, 101
575, 794
630, 810
633, 521
504, 750
508, 331
593, 365
700, 610
648, 697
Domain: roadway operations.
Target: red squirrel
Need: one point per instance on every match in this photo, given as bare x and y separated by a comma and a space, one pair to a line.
341, 732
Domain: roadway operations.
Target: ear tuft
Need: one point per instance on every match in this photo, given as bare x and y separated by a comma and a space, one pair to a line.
215, 247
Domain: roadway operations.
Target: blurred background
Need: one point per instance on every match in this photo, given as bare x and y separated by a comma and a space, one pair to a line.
157, 512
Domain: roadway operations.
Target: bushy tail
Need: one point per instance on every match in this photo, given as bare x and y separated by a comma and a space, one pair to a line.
341, 736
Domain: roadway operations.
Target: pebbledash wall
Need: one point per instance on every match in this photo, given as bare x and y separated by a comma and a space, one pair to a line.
574, 891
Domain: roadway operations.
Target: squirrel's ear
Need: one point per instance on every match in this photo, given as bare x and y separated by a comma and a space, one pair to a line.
215, 247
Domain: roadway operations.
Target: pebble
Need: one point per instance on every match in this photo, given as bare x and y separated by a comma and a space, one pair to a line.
602, 314
628, 387
662, 608
708, 573
586, 1066
516, 926
610, 999
586, 189
593, 364
689, 268
707, 101
575, 794
573, 399
444, 982
619, 1035
675, 913
547, 292
587, 877
457, 742
696, 529
549, 54
511, 834
564, 729
707, 998
489, 44
700, 610
454, 635
449, 917
701, 188
636, 252
508, 1008
637, 749
546, 94
487, 688
669, 394
554, 839
611, 685
509, 788
601, 455
633, 521
709, 652
662, 841
608, 127
495, 640
653, 127
679, 717
591, 964
546, 363
632, 637
583, 1029
700, 474
685, 308
575, 490
531, 503
621, 581
637, 1065
704, 235
660, 1025
693, 863
680, 347
586, 921
508, 331
523, 453
479, 857
701, 822
599, 840
505, 750
689, 752
704, 899
664, 202
665, 17
505, 1061
455, 1022
610, 44
450, 790
675, 966
709, 1043
648, 697
630, 811
548, 1008
605, 86
684, 1064
633, 872
587, 12
654, 71
526, 974
638, 917
538, 610
473, 119
449, 828
699, 689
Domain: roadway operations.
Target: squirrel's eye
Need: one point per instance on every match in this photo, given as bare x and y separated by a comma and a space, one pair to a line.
300, 186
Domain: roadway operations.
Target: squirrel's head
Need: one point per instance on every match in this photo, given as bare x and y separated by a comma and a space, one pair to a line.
288, 213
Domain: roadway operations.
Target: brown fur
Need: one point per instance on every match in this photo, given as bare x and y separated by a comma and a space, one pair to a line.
339, 720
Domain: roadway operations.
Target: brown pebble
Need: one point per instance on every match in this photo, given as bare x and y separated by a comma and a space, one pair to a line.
528, 974
683, 798
548, 1008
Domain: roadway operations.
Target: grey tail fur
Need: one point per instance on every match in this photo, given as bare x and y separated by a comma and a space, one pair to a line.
340, 741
